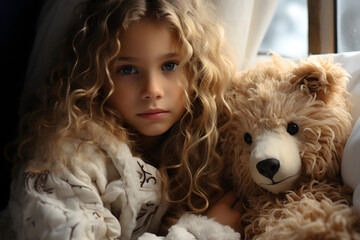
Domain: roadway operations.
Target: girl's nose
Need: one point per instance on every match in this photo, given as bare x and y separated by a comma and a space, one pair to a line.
153, 87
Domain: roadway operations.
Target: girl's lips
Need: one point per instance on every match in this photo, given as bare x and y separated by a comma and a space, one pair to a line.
153, 114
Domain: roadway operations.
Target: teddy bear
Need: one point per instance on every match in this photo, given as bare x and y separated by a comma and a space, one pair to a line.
283, 146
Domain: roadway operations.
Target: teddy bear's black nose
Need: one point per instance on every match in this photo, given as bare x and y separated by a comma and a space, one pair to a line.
268, 167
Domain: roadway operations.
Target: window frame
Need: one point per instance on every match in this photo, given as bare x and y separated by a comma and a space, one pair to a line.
322, 26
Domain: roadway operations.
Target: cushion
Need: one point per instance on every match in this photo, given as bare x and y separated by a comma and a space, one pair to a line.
350, 168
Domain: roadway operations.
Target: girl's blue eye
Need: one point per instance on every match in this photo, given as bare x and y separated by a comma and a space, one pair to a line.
126, 70
169, 66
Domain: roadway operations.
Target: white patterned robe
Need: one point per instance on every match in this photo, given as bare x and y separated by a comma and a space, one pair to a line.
102, 193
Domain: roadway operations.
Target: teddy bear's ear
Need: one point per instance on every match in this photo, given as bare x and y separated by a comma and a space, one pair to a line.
320, 78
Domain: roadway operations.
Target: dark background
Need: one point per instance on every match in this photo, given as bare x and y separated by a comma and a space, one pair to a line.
18, 20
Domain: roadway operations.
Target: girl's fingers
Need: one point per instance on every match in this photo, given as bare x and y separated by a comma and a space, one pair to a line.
237, 205
229, 199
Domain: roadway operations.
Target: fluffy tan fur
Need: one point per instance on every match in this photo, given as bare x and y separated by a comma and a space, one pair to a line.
311, 93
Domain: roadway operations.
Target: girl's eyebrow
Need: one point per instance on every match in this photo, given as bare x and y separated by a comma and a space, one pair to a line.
169, 55
128, 59
134, 59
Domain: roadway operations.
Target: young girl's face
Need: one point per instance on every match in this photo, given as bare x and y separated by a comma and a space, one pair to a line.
149, 85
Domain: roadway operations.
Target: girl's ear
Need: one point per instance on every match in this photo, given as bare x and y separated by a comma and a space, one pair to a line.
320, 78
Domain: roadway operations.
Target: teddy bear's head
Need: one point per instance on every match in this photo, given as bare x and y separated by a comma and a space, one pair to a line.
290, 122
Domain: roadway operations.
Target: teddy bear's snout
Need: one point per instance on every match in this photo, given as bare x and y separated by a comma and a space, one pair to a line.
274, 161
268, 167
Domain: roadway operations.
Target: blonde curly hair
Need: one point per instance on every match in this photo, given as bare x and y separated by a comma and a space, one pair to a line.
76, 94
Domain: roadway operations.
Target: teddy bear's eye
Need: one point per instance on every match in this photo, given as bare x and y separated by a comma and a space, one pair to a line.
292, 128
248, 138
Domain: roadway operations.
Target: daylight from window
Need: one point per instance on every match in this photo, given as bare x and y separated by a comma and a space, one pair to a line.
348, 25
288, 30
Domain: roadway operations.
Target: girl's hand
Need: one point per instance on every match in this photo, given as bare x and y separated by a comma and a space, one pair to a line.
227, 211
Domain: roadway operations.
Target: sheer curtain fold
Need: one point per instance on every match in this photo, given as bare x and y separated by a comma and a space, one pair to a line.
53, 20
246, 22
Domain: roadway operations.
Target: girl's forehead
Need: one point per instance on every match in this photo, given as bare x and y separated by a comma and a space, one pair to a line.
148, 37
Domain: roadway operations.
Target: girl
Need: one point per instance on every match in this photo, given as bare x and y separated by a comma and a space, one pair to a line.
127, 128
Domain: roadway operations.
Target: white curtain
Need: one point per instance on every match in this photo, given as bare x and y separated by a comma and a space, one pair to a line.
53, 20
246, 22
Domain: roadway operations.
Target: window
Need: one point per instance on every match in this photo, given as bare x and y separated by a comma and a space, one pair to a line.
348, 25
302, 27
288, 30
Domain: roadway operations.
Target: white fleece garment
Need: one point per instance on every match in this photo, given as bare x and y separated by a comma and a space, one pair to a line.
191, 226
102, 193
